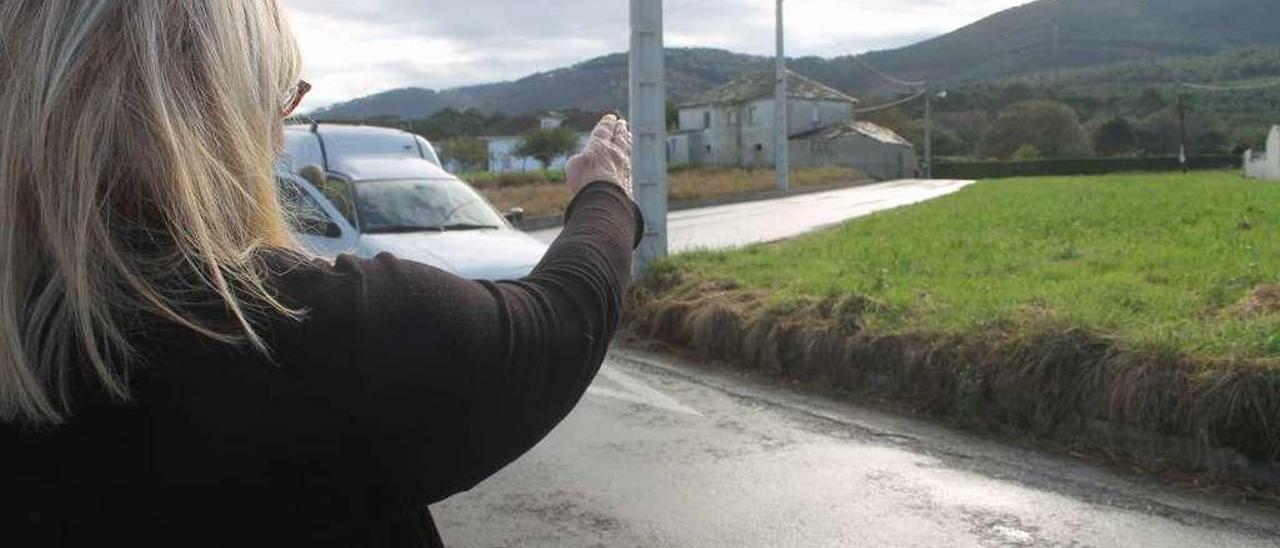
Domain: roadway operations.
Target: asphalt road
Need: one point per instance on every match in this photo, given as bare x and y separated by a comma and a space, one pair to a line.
663, 452
751, 222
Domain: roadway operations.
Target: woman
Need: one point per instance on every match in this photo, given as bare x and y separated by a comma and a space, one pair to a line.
173, 372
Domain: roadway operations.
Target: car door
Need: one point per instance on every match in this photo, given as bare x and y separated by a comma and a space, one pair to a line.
317, 224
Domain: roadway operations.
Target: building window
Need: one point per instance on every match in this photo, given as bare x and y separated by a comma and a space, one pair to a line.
706, 119
759, 147
817, 115
733, 118
751, 116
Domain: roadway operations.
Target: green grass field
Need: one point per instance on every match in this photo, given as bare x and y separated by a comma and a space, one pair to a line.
1179, 262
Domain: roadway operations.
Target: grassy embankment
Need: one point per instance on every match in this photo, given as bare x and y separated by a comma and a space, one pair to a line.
544, 194
1074, 308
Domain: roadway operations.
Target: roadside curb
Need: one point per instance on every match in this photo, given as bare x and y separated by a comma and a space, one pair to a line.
555, 221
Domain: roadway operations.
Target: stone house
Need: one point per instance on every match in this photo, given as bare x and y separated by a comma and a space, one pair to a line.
733, 126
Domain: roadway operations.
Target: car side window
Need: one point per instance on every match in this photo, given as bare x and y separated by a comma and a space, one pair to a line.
340, 193
304, 213
298, 203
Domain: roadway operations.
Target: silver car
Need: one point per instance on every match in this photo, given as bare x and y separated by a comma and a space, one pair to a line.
413, 209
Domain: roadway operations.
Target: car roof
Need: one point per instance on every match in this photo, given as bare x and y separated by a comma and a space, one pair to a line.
345, 129
371, 168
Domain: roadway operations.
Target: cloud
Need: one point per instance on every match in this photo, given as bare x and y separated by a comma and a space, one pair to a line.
357, 47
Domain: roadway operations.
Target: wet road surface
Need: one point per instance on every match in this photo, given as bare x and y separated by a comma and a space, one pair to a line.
685, 455
736, 225
667, 453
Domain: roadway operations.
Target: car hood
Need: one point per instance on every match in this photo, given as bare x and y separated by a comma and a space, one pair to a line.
475, 254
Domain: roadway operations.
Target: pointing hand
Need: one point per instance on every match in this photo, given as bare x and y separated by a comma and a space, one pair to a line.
607, 157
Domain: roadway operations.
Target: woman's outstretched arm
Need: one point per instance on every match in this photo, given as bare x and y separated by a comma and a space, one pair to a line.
473, 374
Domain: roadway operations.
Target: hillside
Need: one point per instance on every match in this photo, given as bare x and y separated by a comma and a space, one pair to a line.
597, 84
1014, 42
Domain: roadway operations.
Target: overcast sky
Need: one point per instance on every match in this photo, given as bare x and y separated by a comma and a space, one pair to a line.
354, 48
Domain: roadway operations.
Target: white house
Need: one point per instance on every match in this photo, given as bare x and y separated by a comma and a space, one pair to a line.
733, 125
1265, 166
502, 156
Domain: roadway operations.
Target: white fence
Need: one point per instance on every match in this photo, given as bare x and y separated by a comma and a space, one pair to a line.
1265, 165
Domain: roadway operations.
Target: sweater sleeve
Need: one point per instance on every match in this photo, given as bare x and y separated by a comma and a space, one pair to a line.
466, 376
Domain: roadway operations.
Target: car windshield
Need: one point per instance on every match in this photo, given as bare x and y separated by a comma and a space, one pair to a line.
421, 205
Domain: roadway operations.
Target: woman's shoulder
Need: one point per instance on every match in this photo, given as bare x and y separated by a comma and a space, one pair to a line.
307, 281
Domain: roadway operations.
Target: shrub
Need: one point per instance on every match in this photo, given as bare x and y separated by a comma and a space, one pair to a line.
545, 145
1051, 127
1079, 166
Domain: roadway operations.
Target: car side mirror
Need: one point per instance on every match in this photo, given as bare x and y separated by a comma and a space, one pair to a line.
332, 230
514, 215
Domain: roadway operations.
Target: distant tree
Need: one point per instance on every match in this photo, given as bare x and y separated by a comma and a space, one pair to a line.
450, 122
544, 145
947, 143
1052, 128
1150, 101
1115, 137
1161, 133
969, 126
471, 153
1026, 153
673, 116
1016, 93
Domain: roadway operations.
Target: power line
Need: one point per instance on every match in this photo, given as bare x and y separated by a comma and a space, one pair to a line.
890, 105
1209, 87
880, 73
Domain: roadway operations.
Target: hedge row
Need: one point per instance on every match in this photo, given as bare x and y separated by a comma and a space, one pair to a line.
1081, 166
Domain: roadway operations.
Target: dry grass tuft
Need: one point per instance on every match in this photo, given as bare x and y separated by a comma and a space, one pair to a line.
542, 196
1067, 384
1263, 299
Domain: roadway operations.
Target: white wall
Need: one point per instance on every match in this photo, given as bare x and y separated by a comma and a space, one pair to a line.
1267, 166
502, 158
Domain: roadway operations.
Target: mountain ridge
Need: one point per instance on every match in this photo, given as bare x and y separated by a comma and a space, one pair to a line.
1033, 38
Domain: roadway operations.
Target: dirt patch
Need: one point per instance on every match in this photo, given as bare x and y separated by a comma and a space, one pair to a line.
1263, 299
1073, 386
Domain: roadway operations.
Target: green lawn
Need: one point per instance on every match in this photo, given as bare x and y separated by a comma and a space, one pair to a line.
1158, 259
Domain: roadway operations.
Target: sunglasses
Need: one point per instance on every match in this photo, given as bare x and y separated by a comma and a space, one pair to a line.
295, 98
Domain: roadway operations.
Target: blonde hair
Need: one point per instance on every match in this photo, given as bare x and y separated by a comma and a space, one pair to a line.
137, 143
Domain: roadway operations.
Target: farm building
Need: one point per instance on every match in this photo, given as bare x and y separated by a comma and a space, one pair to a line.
876, 151
733, 126
1265, 165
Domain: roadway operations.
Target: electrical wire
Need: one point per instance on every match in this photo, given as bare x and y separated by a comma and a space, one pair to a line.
898, 81
1209, 87
886, 106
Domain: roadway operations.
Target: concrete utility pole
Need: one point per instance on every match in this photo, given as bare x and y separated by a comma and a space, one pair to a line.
1182, 132
781, 141
928, 131
928, 134
648, 116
